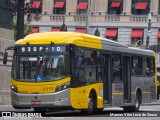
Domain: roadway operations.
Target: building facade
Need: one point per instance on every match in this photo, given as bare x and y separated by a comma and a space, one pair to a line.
125, 21
6, 39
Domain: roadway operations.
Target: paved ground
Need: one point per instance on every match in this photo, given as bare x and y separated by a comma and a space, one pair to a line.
10, 108
147, 109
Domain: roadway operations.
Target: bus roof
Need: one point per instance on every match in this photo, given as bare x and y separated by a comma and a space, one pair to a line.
78, 39
139, 49
56, 37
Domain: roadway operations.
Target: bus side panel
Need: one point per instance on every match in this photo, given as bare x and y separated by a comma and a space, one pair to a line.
147, 86
79, 96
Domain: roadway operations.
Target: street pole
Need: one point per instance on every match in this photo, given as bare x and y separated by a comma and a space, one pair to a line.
20, 19
149, 30
88, 17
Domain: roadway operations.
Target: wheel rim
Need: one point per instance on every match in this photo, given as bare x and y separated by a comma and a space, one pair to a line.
90, 104
137, 103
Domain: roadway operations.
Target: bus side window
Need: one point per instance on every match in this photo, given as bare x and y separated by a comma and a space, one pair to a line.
136, 65
79, 67
146, 70
90, 65
150, 64
79, 61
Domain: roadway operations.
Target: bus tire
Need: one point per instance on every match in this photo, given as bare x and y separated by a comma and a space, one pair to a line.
91, 104
137, 102
136, 107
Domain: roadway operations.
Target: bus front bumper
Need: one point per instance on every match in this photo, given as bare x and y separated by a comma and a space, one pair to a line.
57, 99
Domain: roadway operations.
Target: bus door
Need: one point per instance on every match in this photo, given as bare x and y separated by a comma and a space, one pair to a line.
151, 83
106, 62
126, 78
117, 82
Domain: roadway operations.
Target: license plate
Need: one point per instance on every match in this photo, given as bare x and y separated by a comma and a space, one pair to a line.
36, 102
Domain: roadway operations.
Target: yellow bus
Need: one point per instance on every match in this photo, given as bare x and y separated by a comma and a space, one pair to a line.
69, 70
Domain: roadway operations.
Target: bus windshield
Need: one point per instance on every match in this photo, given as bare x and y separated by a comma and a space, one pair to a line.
40, 68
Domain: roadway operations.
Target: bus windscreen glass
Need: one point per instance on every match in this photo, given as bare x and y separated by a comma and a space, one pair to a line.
40, 68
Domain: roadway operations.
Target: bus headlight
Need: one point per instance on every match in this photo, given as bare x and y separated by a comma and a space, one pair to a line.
14, 88
63, 87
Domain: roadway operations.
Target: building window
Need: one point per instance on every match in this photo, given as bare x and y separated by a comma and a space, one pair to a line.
112, 33
82, 6
137, 35
35, 30
80, 30
36, 6
140, 7
115, 6
55, 29
59, 7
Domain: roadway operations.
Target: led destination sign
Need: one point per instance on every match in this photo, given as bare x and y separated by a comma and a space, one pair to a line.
41, 49
28, 59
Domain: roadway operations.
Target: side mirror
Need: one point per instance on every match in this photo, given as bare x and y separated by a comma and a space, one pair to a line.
5, 56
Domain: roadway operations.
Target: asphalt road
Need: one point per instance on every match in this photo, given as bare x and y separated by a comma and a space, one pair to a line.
147, 112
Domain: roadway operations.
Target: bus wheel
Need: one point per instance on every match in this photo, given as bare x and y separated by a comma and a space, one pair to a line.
135, 107
137, 102
91, 105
